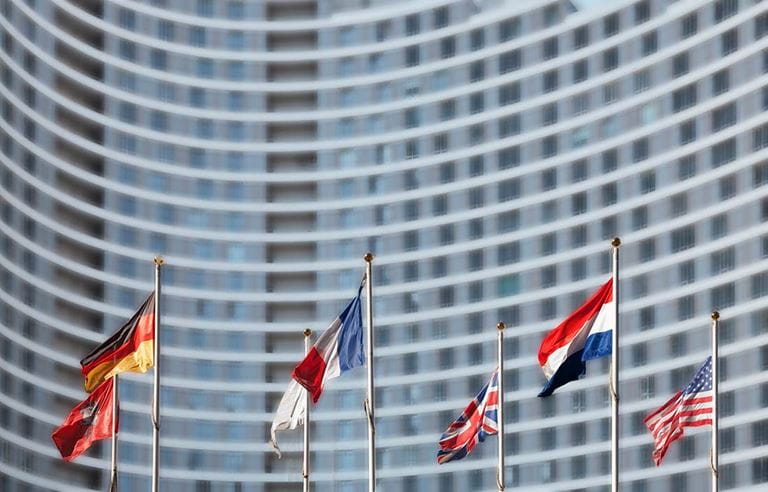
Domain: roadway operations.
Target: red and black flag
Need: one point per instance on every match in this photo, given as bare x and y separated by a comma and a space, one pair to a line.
130, 349
89, 421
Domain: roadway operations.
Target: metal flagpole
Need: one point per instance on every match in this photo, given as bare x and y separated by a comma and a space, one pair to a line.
714, 452
115, 418
614, 377
305, 468
370, 403
500, 482
159, 261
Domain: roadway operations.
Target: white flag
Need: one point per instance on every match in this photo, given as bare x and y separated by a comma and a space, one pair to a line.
290, 413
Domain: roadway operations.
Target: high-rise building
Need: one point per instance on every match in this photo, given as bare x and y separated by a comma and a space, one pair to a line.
485, 150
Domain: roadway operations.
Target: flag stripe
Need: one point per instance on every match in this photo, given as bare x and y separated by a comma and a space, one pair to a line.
691, 407
478, 420
128, 349
585, 334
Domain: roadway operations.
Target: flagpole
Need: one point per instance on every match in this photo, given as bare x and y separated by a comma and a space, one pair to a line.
714, 452
370, 402
305, 467
115, 418
159, 261
500, 482
614, 376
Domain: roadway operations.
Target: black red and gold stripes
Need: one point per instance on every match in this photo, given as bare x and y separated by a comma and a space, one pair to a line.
129, 349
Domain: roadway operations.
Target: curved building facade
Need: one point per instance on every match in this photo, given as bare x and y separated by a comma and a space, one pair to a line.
485, 150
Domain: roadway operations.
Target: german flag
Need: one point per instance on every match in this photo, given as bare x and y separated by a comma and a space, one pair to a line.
130, 349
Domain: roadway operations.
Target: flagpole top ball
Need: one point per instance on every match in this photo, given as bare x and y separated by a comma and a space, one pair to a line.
159, 260
715, 315
500, 326
616, 242
307, 332
368, 257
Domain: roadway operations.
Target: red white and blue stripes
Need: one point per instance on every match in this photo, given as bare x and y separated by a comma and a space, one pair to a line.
479, 419
691, 407
586, 334
339, 349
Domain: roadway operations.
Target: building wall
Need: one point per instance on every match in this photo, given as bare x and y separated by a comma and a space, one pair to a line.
486, 151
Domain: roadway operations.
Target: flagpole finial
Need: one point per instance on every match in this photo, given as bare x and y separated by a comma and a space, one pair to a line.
616, 242
159, 260
307, 332
368, 257
715, 315
500, 326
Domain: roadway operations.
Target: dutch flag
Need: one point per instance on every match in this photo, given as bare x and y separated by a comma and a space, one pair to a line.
585, 334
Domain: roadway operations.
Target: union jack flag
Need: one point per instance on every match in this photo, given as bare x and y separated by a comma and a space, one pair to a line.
691, 407
479, 419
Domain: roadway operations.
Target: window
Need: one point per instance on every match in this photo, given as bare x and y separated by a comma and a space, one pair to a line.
549, 114
412, 56
725, 9
679, 204
761, 26
610, 59
549, 146
639, 218
683, 238
642, 11
581, 37
723, 296
412, 24
687, 132
680, 65
729, 42
720, 82
723, 261
476, 71
640, 150
684, 98
611, 25
689, 25
509, 93
509, 29
642, 81
724, 152
550, 48
650, 43
685, 307
647, 318
441, 17
580, 71
447, 47
759, 141
477, 39
647, 250
550, 81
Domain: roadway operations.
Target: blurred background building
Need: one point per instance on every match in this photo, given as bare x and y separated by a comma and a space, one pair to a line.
485, 150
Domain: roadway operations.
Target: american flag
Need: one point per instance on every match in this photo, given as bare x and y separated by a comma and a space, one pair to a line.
478, 420
691, 407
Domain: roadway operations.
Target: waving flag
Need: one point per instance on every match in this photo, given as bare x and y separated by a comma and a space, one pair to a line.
339, 349
584, 335
89, 421
479, 419
129, 349
691, 407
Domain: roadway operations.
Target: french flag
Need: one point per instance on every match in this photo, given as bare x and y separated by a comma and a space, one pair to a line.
339, 349
584, 335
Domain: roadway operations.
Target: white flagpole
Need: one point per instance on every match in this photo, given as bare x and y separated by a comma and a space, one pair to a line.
159, 261
714, 452
305, 468
370, 403
500, 482
115, 417
614, 377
